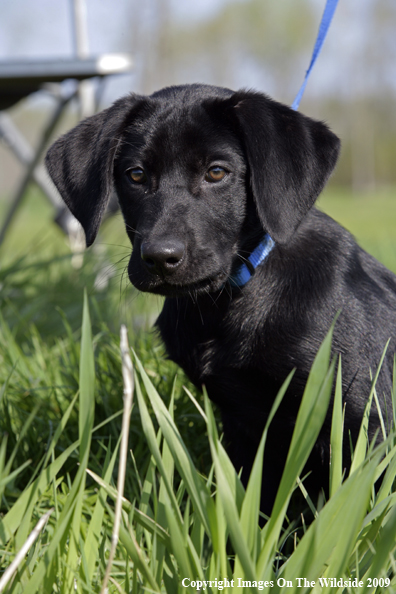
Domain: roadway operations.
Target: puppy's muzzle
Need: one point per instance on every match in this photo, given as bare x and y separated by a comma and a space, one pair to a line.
162, 258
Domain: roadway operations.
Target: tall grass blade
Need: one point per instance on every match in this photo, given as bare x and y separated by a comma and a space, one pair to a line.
141, 518
139, 559
40, 579
21, 435
228, 469
87, 384
12, 520
24, 527
384, 548
193, 481
86, 420
363, 439
228, 503
336, 435
5, 479
33, 536
388, 480
394, 393
149, 432
92, 540
251, 503
347, 507
309, 421
179, 546
162, 513
127, 373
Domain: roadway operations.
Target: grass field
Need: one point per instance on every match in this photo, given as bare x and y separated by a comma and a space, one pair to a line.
370, 217
185, 515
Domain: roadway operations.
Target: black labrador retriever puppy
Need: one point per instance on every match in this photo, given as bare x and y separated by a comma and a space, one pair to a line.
217, 191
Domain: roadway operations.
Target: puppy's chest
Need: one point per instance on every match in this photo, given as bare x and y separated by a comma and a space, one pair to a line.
235, 374
208, 345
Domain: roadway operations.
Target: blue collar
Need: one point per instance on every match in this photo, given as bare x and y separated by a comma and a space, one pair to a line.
246, 270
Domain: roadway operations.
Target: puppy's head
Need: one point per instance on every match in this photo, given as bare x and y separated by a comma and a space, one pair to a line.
201, 173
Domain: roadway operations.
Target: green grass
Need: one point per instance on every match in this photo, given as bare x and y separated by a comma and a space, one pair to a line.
370, 217
182, 519
185, 513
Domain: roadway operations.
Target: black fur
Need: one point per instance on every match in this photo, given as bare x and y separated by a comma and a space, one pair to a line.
189, 235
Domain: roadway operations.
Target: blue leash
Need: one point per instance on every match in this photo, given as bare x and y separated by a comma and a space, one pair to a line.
323, 28
246, 271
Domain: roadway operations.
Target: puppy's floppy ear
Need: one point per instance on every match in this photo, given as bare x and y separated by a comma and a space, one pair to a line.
80, 163
290, 157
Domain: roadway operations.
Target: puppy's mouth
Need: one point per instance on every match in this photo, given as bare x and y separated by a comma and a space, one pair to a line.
169, 287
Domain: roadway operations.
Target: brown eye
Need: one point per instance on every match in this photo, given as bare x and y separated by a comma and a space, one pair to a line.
137, 175
215, 174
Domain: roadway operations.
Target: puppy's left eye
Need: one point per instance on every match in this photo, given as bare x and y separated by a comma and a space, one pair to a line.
215, 174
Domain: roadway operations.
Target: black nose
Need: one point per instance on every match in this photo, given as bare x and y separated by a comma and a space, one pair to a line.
162, 257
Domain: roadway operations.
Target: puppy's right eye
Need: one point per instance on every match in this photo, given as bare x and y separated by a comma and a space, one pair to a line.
137, 175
